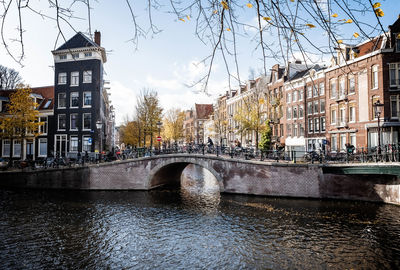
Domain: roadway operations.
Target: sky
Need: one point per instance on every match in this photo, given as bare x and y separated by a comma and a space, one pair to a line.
166, 62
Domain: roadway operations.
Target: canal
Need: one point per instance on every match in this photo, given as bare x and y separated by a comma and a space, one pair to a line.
193, 227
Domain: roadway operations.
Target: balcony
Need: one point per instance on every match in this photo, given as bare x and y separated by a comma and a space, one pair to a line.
342, 124
341, 97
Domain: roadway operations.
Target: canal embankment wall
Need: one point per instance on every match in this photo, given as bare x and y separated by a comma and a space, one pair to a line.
233, 176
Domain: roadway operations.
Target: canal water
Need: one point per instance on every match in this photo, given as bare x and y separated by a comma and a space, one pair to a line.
192, 228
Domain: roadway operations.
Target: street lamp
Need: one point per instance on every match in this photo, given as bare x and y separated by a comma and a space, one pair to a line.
378, 110
159, 124
99, 126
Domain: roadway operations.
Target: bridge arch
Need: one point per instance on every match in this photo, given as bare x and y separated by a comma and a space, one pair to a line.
169, 172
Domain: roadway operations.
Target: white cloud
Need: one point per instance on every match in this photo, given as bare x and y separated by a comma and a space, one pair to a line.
123, 99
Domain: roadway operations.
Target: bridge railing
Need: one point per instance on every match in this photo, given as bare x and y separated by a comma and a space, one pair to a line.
388, 153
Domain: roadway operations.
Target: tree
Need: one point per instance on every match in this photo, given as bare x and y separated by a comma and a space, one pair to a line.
280, 29
148, 113
22, 118
252, 112
9, 78
173, 124
265, 142
129, 133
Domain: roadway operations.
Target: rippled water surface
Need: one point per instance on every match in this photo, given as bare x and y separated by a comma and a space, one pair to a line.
178, 229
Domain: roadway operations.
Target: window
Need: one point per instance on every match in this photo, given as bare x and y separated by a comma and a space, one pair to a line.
309, 91
74, 121
295, 94
295, 134
310, 125
316, 124
322, 123
352, 84
352, 113
316, 106
75, 78
87, 119
334, 143
374, 79
301, 127
62, 78
17, 148
394, 106
301, 111
87, 76
289, 129
42, 147
61, 122
6, 148
88, 54
309, 107
353, 139
87, 99
315, 89
342, 87
86, 143
322, 105
75, 55
288, 97
321, 89
394, 74
301, 95
73, 144
63, 57
343, 142
333, 115
62, 100
281, 133
295, 112
74, 99
333, 88
43, 127
289, 113
342, 115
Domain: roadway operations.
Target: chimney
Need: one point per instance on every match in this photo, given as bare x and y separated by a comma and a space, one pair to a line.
97, 37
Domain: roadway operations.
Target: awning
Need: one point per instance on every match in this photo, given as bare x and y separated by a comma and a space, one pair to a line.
295, 141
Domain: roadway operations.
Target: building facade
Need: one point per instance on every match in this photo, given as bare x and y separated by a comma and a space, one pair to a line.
80, 108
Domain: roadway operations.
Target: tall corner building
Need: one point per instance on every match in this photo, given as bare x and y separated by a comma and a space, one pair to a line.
81, 101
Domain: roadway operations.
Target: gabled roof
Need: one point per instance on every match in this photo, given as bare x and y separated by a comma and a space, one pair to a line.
78, 41
203, 110
45, 93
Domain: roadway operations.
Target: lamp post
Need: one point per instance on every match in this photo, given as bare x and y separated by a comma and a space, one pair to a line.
378, 110
99, 126
159, 124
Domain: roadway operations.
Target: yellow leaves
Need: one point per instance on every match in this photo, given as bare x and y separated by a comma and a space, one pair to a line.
188, 17
349, 21
215, 11
228, 29
183, 20
291, 0
335, 15
379, 12
340, 41
376, 5
261, 101
310, 25
249, 5
356, 35
267, 18
224, 4
398, 36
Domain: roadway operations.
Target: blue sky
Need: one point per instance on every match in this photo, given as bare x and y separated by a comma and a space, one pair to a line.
164, 62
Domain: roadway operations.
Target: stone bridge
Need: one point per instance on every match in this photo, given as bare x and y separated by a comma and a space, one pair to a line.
233, 176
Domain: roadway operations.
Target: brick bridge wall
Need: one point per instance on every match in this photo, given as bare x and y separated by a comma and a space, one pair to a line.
234, 176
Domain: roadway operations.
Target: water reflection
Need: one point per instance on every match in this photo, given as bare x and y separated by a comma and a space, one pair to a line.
192, 229
199, 189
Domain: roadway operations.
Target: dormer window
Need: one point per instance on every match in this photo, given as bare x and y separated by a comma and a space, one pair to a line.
63, 57
88, 54
75, 55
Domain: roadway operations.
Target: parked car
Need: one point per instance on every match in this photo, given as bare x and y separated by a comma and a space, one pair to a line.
3, 164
